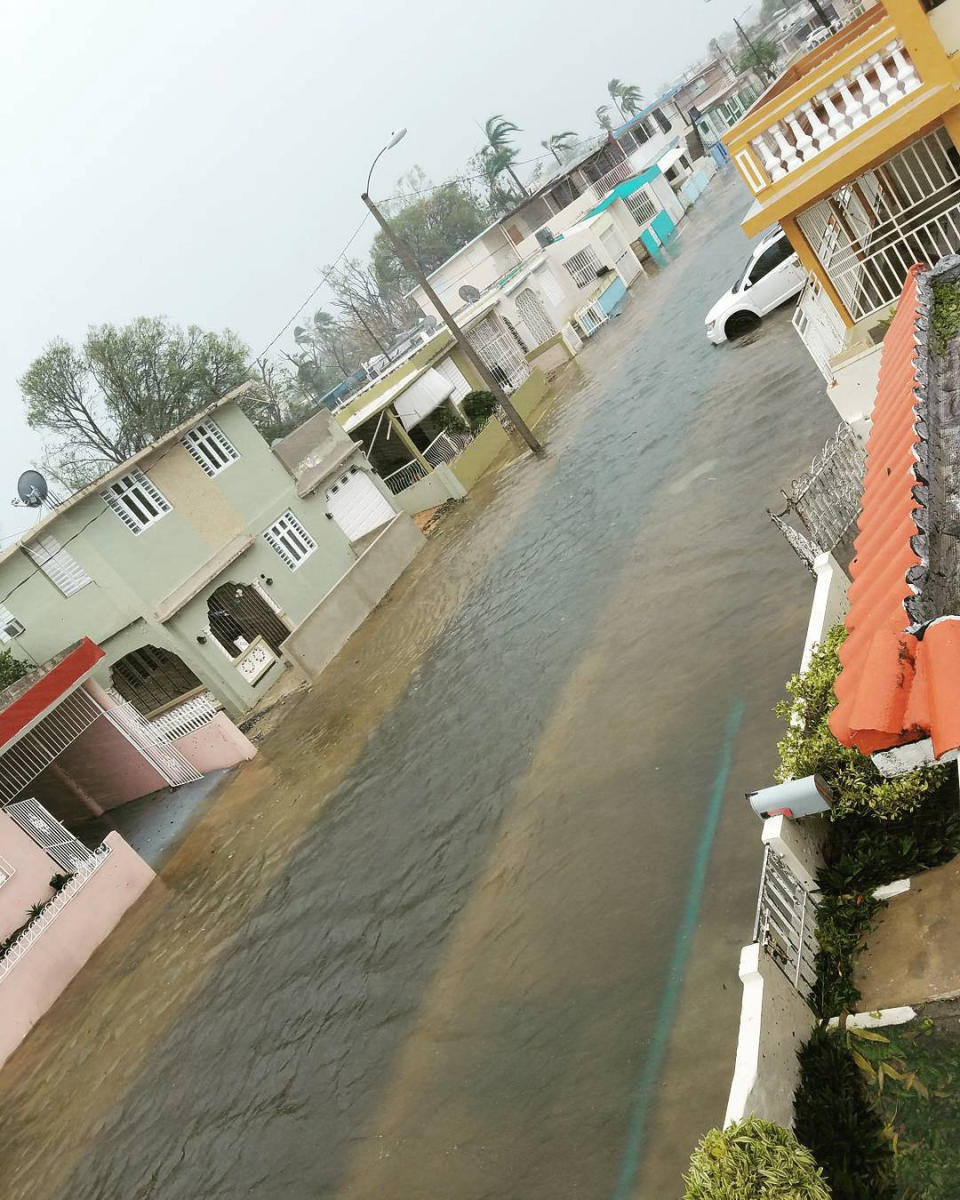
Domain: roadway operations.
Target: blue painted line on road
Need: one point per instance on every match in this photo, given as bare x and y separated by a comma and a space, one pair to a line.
681, 950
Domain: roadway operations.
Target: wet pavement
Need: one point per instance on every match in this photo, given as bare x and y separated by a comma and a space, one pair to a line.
468, 926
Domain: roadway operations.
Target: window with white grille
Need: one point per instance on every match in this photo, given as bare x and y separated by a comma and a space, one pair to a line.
210, 446
290, 540
642, 208
10, 627
136, 501
583, 267
59, 566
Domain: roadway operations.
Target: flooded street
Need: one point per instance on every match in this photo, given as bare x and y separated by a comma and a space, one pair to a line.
468, 926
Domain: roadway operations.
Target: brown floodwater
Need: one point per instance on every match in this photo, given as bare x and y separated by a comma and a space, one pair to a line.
468, 926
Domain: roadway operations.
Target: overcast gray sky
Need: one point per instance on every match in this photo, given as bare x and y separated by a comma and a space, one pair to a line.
203, 159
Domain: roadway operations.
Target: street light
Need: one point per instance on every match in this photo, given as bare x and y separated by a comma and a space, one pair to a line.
406, 256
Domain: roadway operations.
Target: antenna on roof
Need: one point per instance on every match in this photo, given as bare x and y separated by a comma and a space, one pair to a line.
32, 490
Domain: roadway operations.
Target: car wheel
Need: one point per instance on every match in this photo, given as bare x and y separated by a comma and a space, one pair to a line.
739, 324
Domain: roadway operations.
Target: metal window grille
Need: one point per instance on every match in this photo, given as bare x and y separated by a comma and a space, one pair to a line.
239, 614
136, 501
10, 627
786, 923
583, 266
59, 566
869, 232
641, 207
210, 446
290, 540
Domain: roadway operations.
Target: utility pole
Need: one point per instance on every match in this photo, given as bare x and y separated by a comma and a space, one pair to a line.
762, 68
462, 340
821, 15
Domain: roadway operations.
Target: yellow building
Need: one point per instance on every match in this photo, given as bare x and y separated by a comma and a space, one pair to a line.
855, 150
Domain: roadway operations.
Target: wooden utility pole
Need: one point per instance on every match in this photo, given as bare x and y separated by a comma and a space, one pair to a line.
462, 340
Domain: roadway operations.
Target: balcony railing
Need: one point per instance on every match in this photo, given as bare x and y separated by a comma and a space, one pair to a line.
619, 174
409, 474
841, 91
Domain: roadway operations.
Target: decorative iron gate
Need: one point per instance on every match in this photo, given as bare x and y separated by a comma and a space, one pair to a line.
152, 743
535, 317
500, 353
47, 832
873, 229
238, 612
786, 924
824, 502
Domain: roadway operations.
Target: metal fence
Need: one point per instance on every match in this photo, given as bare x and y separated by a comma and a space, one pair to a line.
589, 319
823, 503
406, 476
46, 832
786, 923
445, 447
187, 717
500, 353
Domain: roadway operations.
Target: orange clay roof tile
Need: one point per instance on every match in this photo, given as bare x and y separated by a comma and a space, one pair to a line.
894, 686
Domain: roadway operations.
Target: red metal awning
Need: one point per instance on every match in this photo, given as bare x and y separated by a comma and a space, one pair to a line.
31, 698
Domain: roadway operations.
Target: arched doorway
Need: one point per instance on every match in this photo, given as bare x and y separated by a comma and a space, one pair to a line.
152, 678
239, 615
535, 317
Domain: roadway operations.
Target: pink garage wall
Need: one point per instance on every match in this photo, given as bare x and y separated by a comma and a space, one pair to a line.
30, 882
102, 763
217, 744
31, 986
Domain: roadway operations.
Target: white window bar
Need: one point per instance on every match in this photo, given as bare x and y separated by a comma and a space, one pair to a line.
59, 566
290, 540
136, 501
641, 207
210, 446
10, 627
583, 266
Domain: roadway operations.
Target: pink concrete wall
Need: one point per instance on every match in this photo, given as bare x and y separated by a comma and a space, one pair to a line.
30, 987
29, 884
218, 744
106, 766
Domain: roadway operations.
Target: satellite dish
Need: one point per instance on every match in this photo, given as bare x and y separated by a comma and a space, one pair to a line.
32, 489
469, 293
430, 323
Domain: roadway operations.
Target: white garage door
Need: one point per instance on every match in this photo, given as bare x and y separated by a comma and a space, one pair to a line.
357, 506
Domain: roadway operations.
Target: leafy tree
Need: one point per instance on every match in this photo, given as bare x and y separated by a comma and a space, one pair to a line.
498, 130
124, 388
434, 225
614, 88
603, 117
557, 142
760, 58
11, 669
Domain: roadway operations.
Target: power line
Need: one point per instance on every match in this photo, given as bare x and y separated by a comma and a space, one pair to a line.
313, 291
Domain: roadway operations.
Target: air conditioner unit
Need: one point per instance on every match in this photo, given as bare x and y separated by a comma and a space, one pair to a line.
13, 628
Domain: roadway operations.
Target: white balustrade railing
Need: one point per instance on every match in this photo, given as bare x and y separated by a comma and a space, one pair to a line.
827, 117
407, 475
187, 717
51, 911
619, 174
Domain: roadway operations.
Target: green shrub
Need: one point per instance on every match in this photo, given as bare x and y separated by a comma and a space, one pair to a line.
753, 1160
808, 747
11, 669
843, 921
478, 408
835, 1116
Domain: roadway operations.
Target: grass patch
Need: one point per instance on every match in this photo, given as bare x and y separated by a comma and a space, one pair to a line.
913, 1075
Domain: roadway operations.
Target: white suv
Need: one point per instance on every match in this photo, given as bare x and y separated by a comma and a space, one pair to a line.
772, 275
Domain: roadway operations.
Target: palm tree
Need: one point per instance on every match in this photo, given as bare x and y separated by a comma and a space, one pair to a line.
497, 130
631, 98
560, 141
614, 87
603, 117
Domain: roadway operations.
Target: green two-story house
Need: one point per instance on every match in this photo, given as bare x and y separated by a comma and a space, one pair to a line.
209, 562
